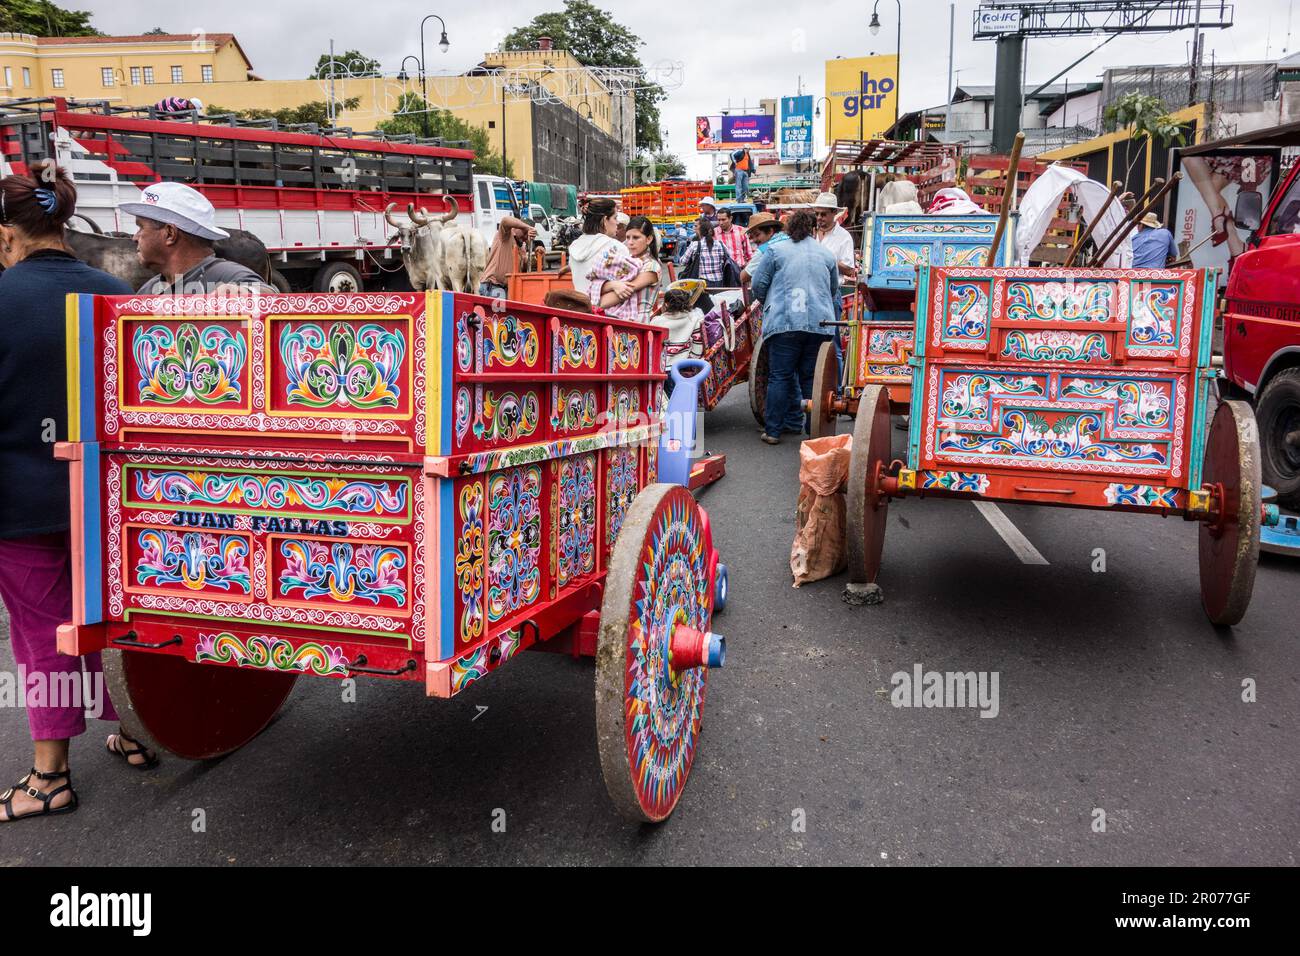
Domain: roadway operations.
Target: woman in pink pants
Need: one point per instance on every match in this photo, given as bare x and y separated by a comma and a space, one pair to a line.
35, 561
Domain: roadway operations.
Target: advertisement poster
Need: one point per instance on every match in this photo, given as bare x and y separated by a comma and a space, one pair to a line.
752, 131
863, 92
796, 128
1221, 200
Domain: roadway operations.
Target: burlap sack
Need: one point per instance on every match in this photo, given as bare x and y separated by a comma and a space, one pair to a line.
819, 544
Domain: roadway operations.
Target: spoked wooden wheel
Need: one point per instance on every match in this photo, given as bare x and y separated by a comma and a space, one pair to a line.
758, 382
653, 653
867, 509
825, 381
1229, 541
196, 711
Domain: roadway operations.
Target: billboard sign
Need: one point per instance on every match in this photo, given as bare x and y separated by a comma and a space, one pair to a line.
1221, 200
752, 131
995, 22
863, 93
796, 128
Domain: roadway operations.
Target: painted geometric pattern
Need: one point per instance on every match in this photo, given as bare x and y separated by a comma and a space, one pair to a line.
966, 394
577, 517
1060, 301
1055, 345
189, 365
575, 348
1148, 495
194, 559
1153, 314
349, 366
662, 709
624, 351
514, 576
272, 654
966, 315
955, 481
620, 488
506, 342
505, 416
1049, 435
1137, 403
573, 409
469, 560
352, 496
343, 571
896, 256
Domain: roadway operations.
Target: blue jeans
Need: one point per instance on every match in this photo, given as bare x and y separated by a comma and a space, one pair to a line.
742, 185
491, 290
791, 364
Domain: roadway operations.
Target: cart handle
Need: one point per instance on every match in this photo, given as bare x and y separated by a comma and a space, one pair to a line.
1045, 491
130, 639
359, 666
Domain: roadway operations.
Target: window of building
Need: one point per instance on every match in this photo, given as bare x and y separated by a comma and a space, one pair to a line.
135, 76
106, 75
27, 77
148, 75
178, 74
9, 76
56, 79
492, 124
207, 74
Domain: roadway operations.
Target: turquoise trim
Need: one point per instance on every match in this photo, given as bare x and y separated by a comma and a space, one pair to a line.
447, 397
87, 355
446, 638
917, 361
1203, 375
92, 540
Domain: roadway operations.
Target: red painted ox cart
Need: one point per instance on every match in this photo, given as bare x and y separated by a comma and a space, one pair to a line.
411, 487
1078, 387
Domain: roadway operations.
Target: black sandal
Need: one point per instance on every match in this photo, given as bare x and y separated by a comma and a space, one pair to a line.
150, 759
7, 798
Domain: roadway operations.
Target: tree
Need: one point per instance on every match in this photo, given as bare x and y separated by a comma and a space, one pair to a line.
594, 38
157, 32
409, 118
45, 19
650, 167
315, 112
1146, 119
353, 62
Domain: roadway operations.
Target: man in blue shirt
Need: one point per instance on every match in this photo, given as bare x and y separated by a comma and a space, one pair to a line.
1153, 246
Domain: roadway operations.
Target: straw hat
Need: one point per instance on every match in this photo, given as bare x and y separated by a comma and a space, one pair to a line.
1150, 221
761, 219
692, 287
826, 201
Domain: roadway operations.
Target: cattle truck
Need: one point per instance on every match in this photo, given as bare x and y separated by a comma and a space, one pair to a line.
315, 197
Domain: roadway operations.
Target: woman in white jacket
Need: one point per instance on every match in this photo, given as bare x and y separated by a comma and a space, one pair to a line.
599, 228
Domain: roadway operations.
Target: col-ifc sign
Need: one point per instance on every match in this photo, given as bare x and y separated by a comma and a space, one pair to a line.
863, 92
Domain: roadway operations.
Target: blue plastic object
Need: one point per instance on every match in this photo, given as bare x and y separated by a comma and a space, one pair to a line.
678, 435
720, 590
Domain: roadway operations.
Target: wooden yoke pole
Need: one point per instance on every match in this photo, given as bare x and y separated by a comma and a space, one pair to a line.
1008, 196
1138, 212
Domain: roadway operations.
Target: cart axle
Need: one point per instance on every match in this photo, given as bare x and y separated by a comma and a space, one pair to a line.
691, 648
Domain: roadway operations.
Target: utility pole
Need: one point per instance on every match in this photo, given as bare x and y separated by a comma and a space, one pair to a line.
952, 29
1192, 91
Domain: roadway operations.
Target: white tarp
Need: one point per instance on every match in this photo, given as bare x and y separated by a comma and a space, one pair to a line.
1043, 198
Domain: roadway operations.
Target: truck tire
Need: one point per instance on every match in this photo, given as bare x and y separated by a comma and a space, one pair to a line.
1277, 410
338, 277
280, 282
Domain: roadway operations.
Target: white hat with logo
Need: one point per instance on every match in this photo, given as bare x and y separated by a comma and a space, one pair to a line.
177, 205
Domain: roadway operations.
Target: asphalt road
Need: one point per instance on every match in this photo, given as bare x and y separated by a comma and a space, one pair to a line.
1115, 694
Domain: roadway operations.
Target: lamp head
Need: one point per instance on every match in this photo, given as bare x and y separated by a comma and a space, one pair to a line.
874, 25
444, 43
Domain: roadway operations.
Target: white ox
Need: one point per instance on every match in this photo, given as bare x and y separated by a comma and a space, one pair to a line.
421, 251
462, 253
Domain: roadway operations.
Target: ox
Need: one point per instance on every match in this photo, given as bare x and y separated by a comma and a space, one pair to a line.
462, 253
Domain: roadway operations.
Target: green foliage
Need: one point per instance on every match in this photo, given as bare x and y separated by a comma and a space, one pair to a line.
156, 32
1145, 117
352, 62
315, 112
594, 38
44, 19
652, 166
409, 117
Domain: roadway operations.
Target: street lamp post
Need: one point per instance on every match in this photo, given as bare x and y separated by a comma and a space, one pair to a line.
817, 113
874, 26
443, 44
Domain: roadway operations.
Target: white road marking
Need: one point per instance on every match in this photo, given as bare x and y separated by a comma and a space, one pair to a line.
1009, 533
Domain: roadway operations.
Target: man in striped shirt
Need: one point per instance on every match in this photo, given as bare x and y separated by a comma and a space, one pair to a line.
734, 238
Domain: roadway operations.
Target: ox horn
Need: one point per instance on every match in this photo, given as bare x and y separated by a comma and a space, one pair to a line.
421, 220
388, 214
455, 209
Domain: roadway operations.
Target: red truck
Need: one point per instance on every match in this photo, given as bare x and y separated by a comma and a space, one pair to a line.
1261, 337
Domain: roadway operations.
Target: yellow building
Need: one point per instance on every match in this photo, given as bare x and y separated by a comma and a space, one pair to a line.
557, 120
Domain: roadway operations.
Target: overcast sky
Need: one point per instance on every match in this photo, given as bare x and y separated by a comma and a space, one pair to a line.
731, 54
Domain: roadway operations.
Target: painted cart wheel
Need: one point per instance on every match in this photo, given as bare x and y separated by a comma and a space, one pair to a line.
868, 510
196, 711
1229, 542
758, 383
825, 380
648, 713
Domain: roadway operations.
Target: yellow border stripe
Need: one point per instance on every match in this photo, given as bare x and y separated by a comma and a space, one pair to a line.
72, 351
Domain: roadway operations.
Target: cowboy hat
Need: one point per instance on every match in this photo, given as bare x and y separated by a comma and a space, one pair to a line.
708, 201
761, 219
692, 287
826, 201
1150, 220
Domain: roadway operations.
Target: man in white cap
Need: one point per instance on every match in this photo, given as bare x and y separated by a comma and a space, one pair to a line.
709, 209
1153, 245
835, 237
175, 229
